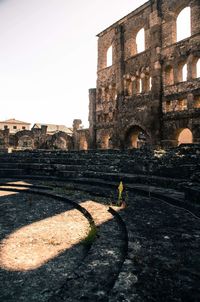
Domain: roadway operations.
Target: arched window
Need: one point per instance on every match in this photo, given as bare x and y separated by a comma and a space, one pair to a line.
105, 141
140, 86
109, 56
198, 68
183, 24
150, 83
182, 105
169, 76
185, 137
184, 73
140, 41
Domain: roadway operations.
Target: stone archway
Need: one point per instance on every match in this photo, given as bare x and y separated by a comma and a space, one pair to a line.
60, 140
184, 136
83, 143
24, 139
135, 137
105, 141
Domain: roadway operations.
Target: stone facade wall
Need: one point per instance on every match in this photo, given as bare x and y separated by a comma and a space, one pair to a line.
134, 95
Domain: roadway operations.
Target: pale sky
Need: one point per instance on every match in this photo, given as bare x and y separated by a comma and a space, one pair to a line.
48, 56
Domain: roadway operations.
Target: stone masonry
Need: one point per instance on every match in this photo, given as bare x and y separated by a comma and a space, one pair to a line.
143, 96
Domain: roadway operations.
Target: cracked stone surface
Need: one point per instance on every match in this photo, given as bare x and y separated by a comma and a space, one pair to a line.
39, 247
162, 265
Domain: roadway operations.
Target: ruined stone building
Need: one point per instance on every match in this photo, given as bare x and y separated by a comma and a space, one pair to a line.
45, 137
148, 85
148, 78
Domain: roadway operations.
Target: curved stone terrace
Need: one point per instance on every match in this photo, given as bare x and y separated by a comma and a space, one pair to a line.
147, 251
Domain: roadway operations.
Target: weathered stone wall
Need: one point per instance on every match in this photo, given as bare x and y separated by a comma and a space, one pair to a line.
81, 137
133, 95
4, 139
180, 98
40, 139
92, 119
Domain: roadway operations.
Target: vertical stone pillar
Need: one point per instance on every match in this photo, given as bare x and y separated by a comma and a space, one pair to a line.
44, 129
196, 133
120, 65
43, 137
92, 118
156, 70
195, 8
76, 126
6, 135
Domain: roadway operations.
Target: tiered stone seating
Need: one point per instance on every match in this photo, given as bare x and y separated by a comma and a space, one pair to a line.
124, 256
173, 168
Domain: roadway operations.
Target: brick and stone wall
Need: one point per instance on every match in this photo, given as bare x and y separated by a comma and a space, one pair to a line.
142, 94
40, 139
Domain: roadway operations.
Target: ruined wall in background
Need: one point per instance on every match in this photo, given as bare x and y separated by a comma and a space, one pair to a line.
39, 139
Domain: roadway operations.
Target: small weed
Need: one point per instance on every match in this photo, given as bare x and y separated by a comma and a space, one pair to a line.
90, 237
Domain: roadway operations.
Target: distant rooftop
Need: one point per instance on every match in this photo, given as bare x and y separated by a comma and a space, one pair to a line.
14, 121
51, 128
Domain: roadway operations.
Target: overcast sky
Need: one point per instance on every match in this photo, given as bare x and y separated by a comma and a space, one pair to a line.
48, 56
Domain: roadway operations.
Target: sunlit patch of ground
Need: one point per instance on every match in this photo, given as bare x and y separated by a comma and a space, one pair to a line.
98, 211
33, 245
21, 183
5, 193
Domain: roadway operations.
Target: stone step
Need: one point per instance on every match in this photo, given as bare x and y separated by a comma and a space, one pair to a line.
98, 168
66, 155
109, 178
157, 247
93, 280
11, 172
67, 161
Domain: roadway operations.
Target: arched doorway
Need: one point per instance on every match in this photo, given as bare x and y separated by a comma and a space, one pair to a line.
135, 137
25, 142
61, 141
185, 136
83, 143
24, 139
105, 141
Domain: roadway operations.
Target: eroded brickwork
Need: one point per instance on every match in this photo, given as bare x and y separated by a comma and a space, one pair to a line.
143, 96
39, 138
35, 139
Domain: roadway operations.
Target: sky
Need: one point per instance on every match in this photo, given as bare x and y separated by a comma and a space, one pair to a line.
48, 56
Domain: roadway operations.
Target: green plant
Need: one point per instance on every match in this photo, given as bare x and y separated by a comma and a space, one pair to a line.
90, 236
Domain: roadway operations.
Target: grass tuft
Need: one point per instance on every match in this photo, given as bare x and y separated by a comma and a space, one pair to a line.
91, 236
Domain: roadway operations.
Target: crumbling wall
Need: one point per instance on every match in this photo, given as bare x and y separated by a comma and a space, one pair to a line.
61, 141
35, 139
147, 89
180, 97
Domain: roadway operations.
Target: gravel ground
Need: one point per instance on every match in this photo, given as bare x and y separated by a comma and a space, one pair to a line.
162, 265
39, 247
163, 262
